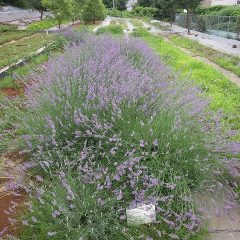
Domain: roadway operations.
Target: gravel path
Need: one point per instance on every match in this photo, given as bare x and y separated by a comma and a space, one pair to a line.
218, 43
15, 15
105, 23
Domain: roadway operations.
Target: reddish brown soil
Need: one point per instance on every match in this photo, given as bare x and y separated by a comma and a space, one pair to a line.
7, 200
12, 92
5, 203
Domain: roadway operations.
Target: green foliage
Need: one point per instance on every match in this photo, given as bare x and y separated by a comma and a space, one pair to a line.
14, 35
17, 3
148, 12
145, 3
121, 5
44, 24
116, 13
209, 10
22, 71
7, 27
61, 9
219, 10
190, 5
88, 219
77, 9
230, 11
24, 48
37, 4
112, 29
108, 3
94, 10
166, 9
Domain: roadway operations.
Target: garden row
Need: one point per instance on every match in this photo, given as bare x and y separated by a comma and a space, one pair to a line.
107, 126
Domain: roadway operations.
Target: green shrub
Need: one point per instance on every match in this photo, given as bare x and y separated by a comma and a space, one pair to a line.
7, 27
148, 12
94, 10
44, 24
219, 10
230, 11
209, 10
113, 29
117, 13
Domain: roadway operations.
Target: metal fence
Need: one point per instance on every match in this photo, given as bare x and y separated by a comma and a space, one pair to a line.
224, 26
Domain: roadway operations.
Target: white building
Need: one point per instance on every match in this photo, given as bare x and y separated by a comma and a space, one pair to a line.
220, 2
130, 4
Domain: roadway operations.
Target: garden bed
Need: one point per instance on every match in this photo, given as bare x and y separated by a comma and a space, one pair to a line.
11, 53
108, 126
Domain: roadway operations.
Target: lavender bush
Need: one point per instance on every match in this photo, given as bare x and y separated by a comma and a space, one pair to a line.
107, 127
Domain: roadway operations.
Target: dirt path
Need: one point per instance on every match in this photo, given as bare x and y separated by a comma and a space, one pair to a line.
224, 223
228, 74
10, 204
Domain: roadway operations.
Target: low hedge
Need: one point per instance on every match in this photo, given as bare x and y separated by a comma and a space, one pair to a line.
219, 10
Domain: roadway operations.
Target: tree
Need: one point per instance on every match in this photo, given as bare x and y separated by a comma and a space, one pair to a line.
108, 3
61, 9
94, 10
121, 5
167, 8
145, 3
37, 4
190, 6
77, 9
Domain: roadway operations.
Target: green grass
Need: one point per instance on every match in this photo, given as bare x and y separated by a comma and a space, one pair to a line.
224, 95
111, 29
44, 24
9, 33
14, 35
10, 53
226, 61
7, 27
22, 71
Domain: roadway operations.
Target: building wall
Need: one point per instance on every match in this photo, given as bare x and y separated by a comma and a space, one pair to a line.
206, 3
219, 2
224, 2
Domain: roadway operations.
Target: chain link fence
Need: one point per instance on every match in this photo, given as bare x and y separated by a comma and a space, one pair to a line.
224, 26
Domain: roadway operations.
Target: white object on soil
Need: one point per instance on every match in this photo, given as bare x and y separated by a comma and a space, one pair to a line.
142, 214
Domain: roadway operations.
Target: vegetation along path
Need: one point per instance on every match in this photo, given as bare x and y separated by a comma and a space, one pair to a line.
222, 224
233, 77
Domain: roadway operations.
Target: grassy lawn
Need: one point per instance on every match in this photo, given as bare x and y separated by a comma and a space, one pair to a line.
22, 71
224, 60
44, 24
115, 27
10, 53
224, 94
13, 35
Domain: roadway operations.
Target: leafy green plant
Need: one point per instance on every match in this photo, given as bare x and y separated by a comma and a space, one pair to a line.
113, 29
44, 24
94, 10
108, 115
